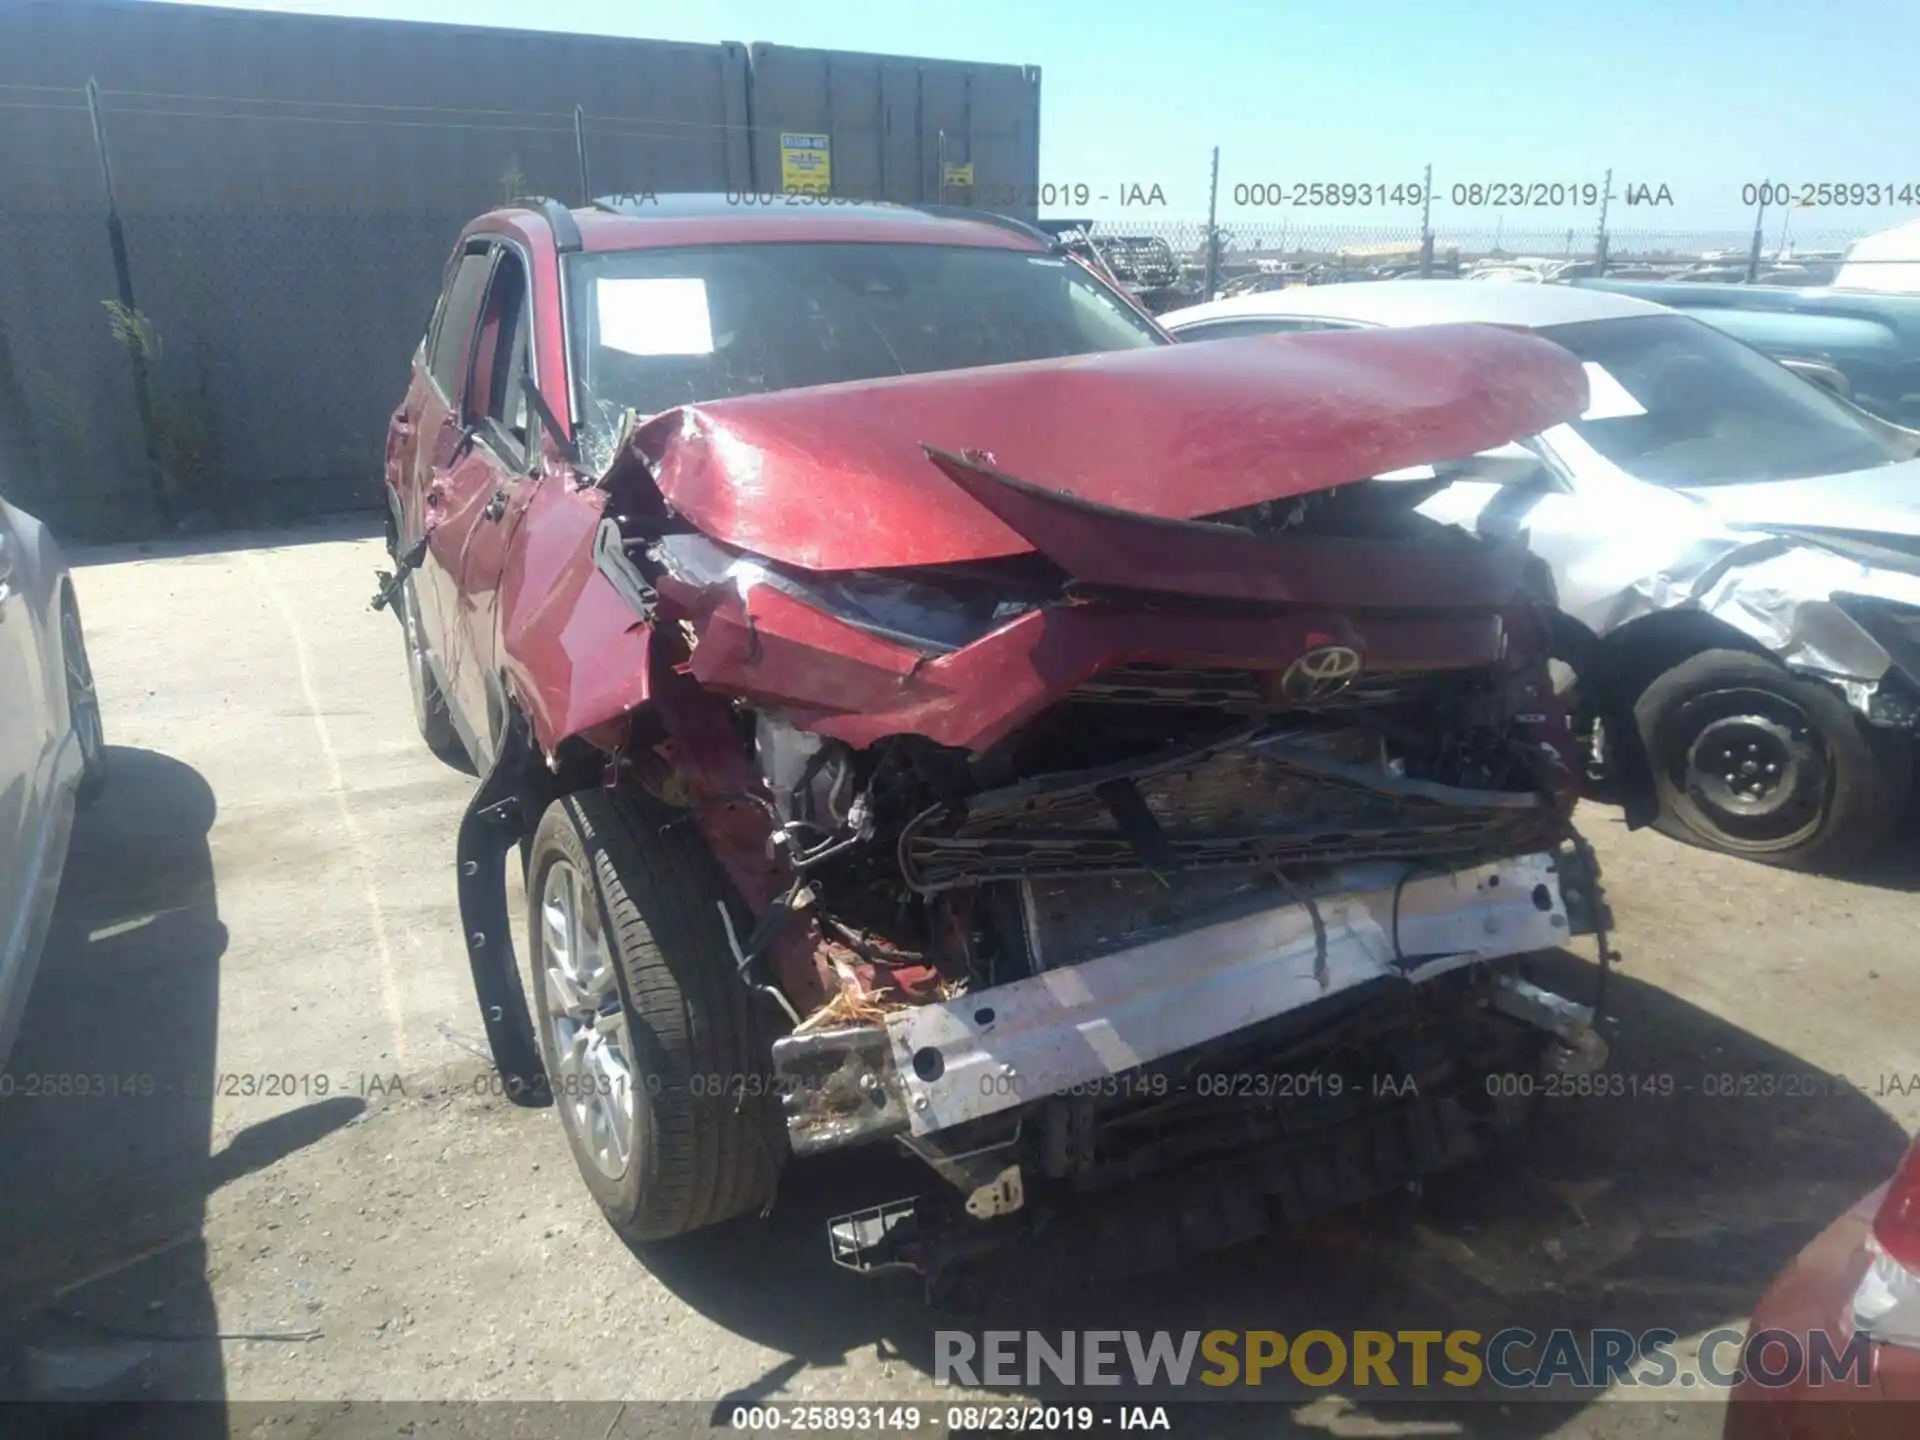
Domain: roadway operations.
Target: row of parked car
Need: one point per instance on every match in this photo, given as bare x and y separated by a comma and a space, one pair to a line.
865, 621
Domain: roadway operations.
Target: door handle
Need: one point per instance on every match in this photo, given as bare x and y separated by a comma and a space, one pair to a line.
436, 495
497, 506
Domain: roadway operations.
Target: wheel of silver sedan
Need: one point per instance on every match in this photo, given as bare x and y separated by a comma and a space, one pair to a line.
1756, 766
1754, 760
592, 1047
83, 702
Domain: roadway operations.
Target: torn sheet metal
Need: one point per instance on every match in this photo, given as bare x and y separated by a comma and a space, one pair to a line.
922, 617
835, 478
997, 1049
827, 675
1099, 545
1778, 592
1621, 549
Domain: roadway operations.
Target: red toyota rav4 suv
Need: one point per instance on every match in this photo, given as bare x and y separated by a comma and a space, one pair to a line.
934, 709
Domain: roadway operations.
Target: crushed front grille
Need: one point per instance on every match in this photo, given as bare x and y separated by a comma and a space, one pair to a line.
1232, 692
1258, 800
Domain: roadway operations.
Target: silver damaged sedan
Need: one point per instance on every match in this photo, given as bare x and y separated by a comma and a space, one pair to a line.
52, 750
1734, 553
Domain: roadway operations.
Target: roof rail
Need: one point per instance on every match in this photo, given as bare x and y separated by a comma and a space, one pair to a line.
625, 203
566, 230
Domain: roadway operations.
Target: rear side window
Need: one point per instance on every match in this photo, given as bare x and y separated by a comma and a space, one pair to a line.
452, 342
500, 358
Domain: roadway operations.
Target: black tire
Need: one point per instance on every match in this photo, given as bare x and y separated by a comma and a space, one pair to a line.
707, 1139
430, 711
1837, 787
83, 702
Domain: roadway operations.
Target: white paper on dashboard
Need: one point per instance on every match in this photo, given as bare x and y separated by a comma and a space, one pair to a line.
654, 317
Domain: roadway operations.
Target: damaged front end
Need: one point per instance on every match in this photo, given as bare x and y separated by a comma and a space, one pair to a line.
1840, 608
1108, 849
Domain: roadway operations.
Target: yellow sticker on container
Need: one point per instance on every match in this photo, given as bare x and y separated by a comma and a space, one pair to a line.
960, 174
806, 164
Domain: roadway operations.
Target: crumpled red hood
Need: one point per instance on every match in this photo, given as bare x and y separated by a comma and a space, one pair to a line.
836, 477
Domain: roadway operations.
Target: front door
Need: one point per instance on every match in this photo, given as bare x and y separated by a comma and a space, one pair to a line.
487, 493
441, 465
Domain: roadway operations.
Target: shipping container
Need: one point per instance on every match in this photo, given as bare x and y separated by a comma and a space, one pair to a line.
898, 128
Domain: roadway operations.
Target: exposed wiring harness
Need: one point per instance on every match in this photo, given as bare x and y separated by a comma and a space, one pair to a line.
1311, 906
1590, 879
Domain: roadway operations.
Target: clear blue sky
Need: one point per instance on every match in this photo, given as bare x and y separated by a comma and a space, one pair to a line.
1699, 95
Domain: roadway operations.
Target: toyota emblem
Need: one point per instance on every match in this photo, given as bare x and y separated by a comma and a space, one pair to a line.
1320, 674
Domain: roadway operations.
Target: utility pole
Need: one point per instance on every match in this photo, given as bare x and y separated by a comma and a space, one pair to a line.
1753, 251
123, 283
1213, 230
1426, 223
580, 150
1600, 236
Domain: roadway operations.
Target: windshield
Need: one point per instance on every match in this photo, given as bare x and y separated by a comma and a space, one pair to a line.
651, 329
1679, 403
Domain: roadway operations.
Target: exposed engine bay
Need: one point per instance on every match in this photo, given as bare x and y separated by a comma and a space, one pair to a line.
1102, 791
1290, 893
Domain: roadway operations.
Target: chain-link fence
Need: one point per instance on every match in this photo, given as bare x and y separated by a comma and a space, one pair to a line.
1269, 235
1166, 260
1244, 236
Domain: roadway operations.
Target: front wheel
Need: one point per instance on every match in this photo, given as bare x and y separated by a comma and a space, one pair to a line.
655, 1058
1755, 761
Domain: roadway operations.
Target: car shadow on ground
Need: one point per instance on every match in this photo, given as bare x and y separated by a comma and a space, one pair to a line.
1897, 865
1670, 1208
106, 1124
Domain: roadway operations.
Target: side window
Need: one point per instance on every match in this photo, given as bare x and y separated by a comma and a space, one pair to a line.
495, 397
1258, 325
453, 339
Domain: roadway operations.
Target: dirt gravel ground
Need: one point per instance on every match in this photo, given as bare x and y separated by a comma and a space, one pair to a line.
300, 1187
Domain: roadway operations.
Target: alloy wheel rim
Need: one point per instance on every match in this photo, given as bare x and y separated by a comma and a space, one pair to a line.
83, 704
592, 1045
